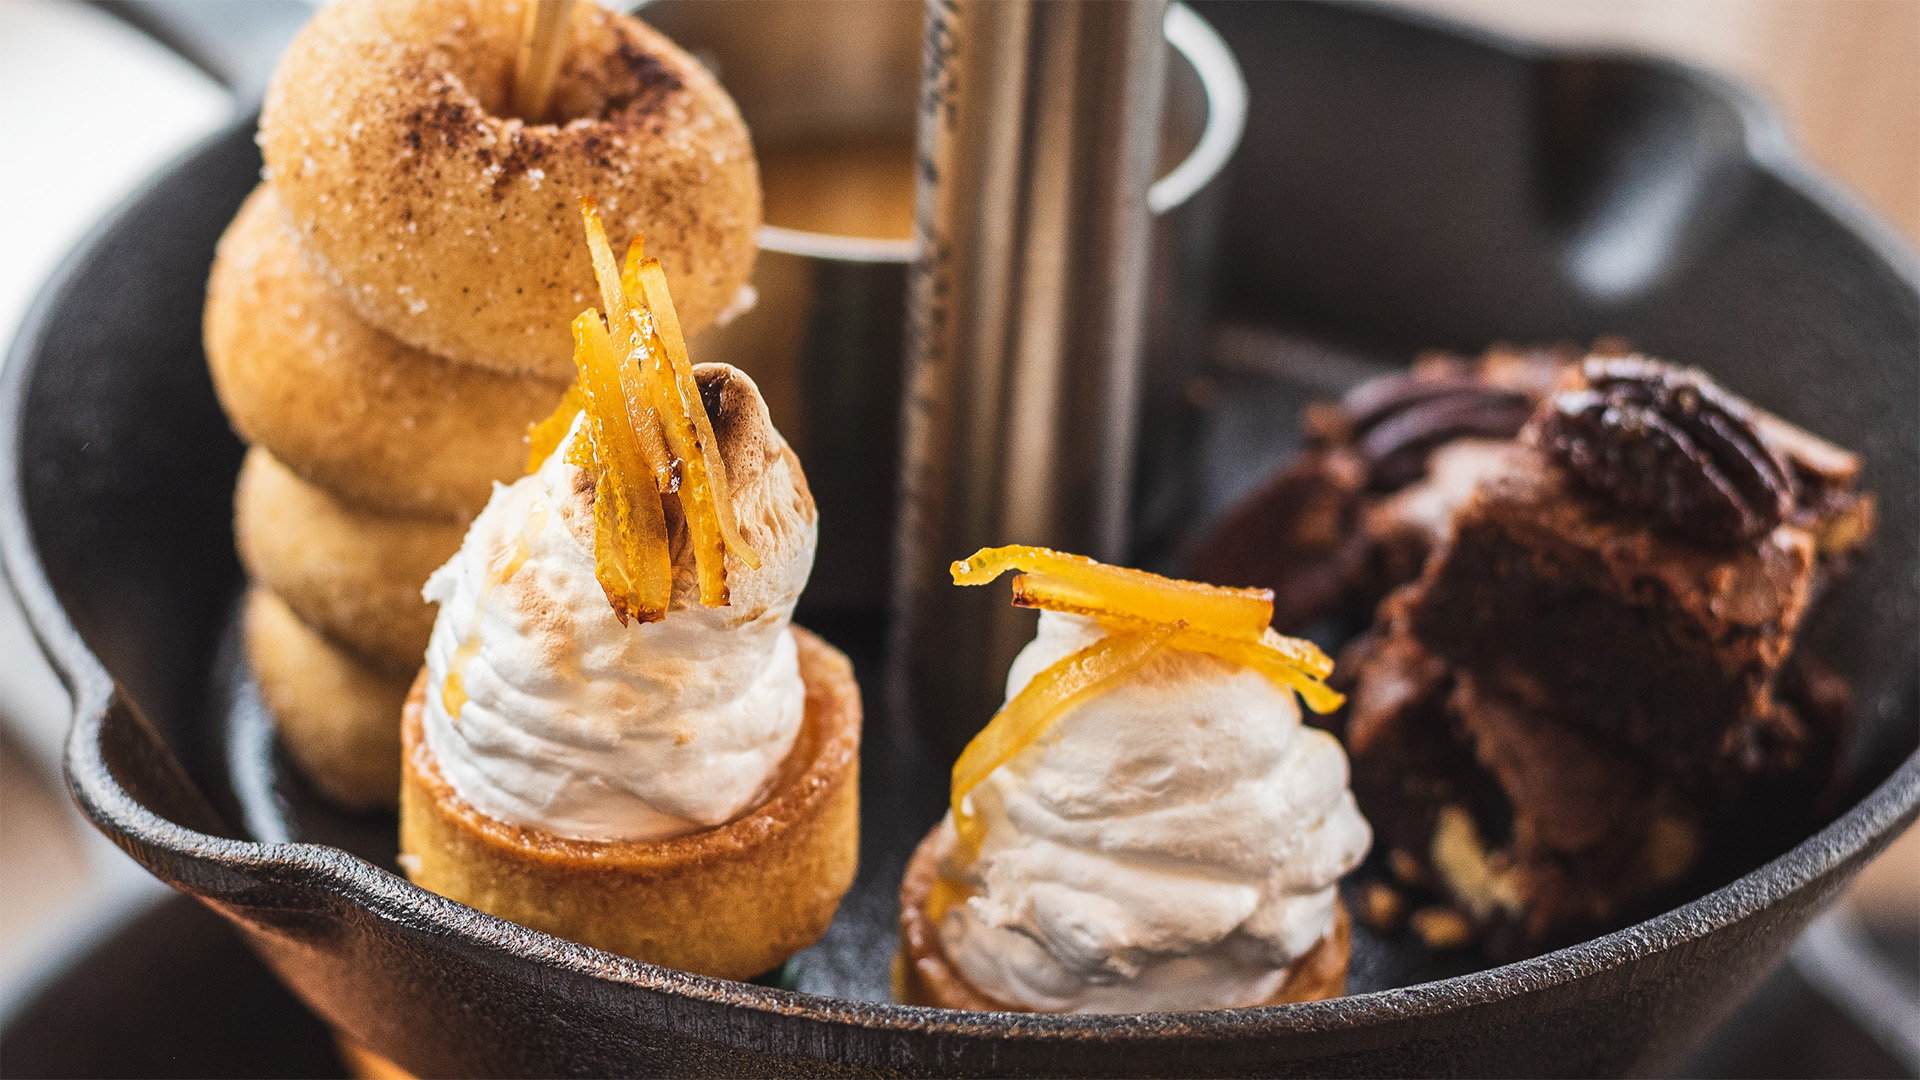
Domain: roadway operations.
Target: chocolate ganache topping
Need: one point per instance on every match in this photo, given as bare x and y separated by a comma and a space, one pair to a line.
1668, 442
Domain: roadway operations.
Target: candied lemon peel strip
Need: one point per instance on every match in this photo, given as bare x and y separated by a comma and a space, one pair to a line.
648, 438
545, 436
1089, 584
1142, 613
1061, 686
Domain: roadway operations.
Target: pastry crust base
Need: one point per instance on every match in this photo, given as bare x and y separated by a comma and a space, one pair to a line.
732, 901
922, 974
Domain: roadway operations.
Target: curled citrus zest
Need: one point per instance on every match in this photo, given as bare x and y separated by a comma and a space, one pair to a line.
1290, 663
650, 437
638, 463
1270, 658
545, 436
628, 336
1231, 624
612, 562
696, 493
644, 411
653, 282
1042, 590
631, 557
1085, 584
1046, 697
606, 272
630, 267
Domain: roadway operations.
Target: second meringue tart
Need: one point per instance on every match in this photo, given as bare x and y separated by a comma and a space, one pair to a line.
1146, 825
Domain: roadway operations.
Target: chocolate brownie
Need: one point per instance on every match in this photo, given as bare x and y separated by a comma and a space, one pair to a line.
1358, 511
1593, 679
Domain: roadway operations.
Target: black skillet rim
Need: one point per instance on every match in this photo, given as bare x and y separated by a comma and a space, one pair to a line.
331, 870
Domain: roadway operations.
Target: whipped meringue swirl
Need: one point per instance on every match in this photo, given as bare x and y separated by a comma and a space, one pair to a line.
1172, 844
543, 710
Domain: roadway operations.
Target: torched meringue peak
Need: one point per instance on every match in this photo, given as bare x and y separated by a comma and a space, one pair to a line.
1171, 844
543, 710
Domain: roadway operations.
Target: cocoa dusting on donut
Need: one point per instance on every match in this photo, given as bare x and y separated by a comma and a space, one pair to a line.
652, 79
440, 216
594, 146
528, 148
620, 93
617, 86
447, 119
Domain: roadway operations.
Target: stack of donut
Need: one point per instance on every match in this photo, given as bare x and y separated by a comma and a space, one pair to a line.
390, 310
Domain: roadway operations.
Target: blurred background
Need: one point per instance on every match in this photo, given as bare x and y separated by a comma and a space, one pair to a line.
90, 105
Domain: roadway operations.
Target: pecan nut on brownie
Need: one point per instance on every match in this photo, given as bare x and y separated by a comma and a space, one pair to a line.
1358, 511
1593, 682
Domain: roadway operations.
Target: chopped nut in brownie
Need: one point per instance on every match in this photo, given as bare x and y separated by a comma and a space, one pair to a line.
1381, 907
1442, 927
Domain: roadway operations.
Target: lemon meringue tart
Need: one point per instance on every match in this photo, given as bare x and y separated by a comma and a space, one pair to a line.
1146, 825
618, 736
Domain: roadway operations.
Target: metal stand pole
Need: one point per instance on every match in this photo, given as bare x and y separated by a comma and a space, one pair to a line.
1038, 132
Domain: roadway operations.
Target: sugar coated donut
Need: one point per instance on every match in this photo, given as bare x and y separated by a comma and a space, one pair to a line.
455, 227
339, 721
352, 575
377, 423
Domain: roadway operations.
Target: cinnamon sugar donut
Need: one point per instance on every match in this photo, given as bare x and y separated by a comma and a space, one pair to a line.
454, 227
354, 576
377, 423
337, 719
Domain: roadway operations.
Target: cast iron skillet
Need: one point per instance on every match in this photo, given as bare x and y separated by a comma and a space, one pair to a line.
1402, 185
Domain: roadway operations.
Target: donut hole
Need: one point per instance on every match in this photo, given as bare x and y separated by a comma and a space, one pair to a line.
600, 79
611, 83
605, 73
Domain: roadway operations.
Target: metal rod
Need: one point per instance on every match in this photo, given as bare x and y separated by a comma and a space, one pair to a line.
1038, 135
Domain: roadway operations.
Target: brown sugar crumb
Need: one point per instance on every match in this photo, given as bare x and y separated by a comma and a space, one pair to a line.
1381, 906
1673, 844
1442, 927
1405, 867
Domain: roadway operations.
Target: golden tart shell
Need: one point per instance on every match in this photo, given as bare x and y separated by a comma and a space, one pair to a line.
734, 901
923, 975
